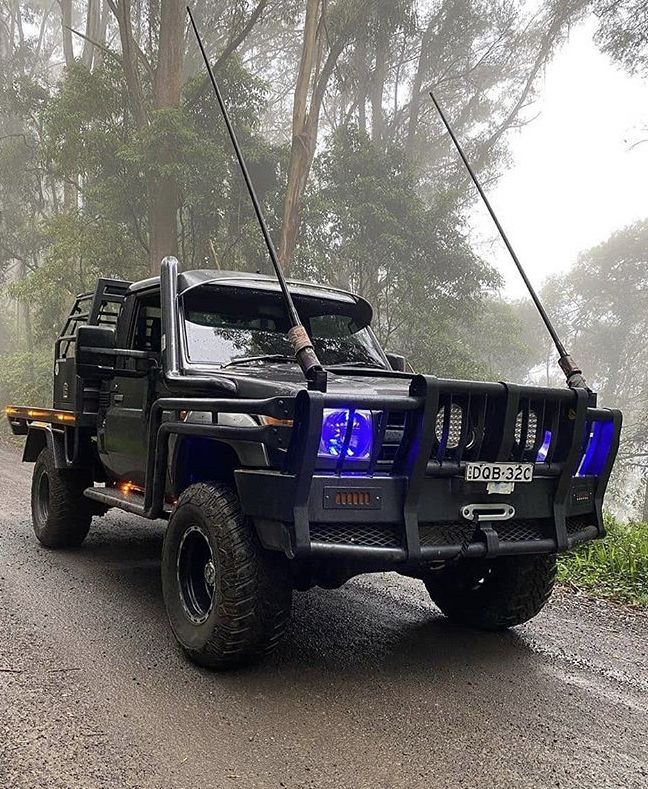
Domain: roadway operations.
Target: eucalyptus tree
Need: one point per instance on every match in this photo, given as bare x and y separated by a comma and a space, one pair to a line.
604, 301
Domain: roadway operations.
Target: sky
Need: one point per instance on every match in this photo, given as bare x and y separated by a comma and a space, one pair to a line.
574, 178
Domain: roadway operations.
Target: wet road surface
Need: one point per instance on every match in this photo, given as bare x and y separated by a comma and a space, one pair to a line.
372, 688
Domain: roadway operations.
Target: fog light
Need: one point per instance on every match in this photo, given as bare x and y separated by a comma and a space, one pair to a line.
346, 431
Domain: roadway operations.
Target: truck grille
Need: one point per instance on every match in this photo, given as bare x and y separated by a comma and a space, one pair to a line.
457, 533
474, 427
576, 525
356, 534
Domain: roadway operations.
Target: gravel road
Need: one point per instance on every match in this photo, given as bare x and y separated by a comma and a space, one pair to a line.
373, 688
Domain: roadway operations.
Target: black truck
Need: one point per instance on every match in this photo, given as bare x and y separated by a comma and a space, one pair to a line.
179, 397
288, 450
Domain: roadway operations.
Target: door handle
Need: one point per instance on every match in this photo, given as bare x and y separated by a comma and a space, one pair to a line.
118, 398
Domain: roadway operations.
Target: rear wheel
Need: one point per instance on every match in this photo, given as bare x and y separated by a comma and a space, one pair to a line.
493, 594
61, 514
227, 598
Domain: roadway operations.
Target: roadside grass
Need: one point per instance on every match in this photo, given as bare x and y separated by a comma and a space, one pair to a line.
615, 568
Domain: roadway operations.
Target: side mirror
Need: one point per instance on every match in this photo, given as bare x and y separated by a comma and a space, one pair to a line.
397, 361
96, 355
95, 351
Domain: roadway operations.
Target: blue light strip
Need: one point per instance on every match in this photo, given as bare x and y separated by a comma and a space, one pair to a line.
597, 450
544, 449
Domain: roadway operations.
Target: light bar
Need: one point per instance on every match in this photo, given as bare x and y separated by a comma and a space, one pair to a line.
41, 414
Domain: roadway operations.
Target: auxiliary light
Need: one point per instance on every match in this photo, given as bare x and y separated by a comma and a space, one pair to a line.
346, 431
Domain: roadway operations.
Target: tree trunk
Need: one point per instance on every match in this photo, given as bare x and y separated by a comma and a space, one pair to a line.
70, 190
417, 84
66, 24
121, 10
168, 74
162, 191
377, 89
167, 91
303, 144
103, 27
93, 23
644, 512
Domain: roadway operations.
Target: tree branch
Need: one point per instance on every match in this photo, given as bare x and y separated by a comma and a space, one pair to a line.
97, 44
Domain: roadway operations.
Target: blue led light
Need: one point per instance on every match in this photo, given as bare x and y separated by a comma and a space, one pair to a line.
597, 449
335, 425
544, 449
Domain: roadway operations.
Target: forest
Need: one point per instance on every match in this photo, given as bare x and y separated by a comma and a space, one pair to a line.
113, 154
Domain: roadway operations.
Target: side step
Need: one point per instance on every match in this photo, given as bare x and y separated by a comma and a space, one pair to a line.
113, 497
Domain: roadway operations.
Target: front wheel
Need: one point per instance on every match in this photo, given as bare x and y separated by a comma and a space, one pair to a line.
228, 600
493, 594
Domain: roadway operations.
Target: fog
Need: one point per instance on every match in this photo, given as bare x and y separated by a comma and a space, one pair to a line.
113, 154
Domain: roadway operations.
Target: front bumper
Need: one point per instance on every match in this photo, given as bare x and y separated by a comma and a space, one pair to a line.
409, 509
380, 533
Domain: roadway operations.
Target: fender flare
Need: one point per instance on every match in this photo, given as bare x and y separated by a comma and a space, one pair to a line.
40, 437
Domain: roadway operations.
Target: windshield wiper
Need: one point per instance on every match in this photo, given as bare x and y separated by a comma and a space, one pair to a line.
370, 365
268, 357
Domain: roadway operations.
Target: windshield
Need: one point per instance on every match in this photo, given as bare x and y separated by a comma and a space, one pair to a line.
221, 327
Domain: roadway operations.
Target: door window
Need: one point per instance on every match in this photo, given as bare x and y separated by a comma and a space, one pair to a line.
147, 334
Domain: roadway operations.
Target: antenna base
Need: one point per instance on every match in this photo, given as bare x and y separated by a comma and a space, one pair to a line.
573, 373
307, 358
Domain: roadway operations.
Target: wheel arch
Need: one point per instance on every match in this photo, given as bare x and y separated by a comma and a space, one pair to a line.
202, 459
40, 438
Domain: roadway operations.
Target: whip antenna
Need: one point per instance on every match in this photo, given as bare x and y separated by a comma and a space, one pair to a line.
297, 335
573, 373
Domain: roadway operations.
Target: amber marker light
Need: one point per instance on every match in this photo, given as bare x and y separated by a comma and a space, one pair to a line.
271, 420
129, 487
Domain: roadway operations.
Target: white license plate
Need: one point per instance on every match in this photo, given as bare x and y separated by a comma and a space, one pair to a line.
499, 472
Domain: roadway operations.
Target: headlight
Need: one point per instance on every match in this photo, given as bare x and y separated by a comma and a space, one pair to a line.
346, 427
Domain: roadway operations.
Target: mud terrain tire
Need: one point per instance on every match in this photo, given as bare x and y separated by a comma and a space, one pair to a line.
493, 594
61, 514
227, 598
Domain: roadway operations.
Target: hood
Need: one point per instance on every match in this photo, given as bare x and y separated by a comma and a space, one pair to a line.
276, 379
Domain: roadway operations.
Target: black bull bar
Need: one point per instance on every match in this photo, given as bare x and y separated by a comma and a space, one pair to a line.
405, 502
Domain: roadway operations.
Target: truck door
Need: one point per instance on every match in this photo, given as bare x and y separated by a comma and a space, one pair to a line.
125, 430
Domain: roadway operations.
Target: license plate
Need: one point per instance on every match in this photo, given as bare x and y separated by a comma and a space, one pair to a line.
499, 472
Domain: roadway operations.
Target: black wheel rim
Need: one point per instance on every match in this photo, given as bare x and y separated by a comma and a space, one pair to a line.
196, 572
42, 497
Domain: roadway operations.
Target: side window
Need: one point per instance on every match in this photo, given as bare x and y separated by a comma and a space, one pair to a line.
147, 333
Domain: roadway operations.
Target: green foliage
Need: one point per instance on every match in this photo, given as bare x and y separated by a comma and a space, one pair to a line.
501, 340
26, 378
366, 228
90, 139
616, 567
603, 307
80, 249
